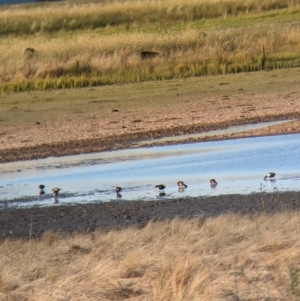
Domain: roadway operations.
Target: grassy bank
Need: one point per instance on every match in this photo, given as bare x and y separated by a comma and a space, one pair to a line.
194, 39
225, 258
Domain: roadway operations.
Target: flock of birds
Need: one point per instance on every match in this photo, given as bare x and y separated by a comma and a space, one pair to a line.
181, 186
161, 187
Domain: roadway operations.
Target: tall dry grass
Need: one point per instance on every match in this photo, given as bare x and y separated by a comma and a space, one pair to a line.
72, 51
89, 59
230, 257
76, 15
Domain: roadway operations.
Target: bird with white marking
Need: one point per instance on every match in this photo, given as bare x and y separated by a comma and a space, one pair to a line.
213, 183
181, 184
55, 191
270, 176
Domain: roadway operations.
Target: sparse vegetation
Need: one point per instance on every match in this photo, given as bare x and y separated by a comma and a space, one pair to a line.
95, 43
230, 257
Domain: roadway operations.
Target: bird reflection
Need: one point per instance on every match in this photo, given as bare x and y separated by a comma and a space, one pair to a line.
41, 188
161, 194
55, 200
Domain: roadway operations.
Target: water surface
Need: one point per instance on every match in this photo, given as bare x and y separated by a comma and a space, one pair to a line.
238, 165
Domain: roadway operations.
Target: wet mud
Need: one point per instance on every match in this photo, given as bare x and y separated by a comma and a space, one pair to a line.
33, 222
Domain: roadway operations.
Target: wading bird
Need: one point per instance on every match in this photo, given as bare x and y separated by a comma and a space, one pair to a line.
41, 187
181, 184
161, 187
55, 191
213, 183
118, 195
270, 176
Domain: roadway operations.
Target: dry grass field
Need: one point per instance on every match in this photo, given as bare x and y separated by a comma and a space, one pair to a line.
83, 44
229, 257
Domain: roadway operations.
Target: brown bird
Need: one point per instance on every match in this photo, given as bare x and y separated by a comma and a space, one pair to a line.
213, 183
181, 184
118, 189
55, 191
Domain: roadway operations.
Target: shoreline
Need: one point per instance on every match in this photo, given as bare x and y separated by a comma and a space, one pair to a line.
128, 141
33, 222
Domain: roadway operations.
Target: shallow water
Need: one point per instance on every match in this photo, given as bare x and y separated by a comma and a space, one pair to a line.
238, 165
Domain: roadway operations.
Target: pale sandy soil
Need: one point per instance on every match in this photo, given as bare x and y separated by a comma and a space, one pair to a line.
113, 130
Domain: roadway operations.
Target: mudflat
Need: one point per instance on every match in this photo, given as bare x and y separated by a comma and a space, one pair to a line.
119, 214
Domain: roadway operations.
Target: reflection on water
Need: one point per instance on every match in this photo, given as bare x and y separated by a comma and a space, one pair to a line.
239, 166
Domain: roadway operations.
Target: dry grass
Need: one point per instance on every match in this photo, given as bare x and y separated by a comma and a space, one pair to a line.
89, 59
74, 50
230, 257
71, 15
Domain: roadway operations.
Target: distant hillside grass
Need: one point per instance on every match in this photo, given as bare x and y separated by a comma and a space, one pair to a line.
78, 44
78, 15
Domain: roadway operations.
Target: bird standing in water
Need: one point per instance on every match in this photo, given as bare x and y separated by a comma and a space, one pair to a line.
118, 195
181, 186
270, 176
161, 187
55, 191
41, 188
213, 183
